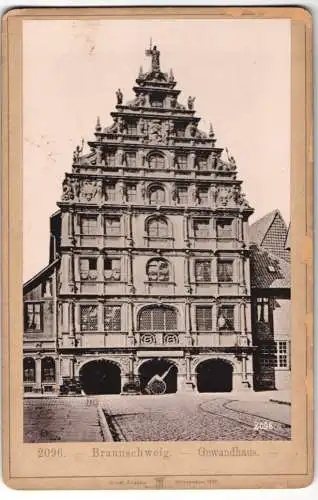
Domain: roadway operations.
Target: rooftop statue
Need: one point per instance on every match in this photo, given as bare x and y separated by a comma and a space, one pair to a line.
155, 57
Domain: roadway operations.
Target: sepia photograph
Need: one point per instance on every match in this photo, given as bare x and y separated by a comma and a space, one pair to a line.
157, 260
156, 230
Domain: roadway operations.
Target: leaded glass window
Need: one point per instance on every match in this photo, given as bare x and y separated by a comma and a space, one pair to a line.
158, 319
225, 271
201, 228
112, 318
158, 228
203, 270
158, 270
112, 226
224, 228
88, 224
156, 195
156, 161
88, 318
204, 318
226, 317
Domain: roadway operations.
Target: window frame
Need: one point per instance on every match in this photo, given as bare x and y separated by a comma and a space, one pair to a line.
203, 262
108, 218
39, 313
88, 330
157, 189
86, 218
164, 224
223, 262
158, 261
114, 307
224, 236
163, 309
160, 161
113, 269
225, 328
206, 321
195, 221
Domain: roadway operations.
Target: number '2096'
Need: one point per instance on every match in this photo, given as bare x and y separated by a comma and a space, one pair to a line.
50, 452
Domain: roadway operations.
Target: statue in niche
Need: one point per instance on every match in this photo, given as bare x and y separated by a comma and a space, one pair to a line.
191, 130
67, 190
113, 128
193, 194
122, 190
141, 127
214, 159
174, 193
165, 131
214, 192
171, 128
119, 96
99, 190
122, 128
143, 190
231, 160
173, 101
99, 155
191, 102
76, 185
77, 152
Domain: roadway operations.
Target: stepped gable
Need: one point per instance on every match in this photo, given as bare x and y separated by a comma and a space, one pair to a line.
154, 121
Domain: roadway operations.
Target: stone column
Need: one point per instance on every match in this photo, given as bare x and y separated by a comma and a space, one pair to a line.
187, 270
130, 325
131, 287
188, 325
38, 373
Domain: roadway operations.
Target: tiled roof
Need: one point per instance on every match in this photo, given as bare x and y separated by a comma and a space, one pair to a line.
287, 242
268, 270
258, 229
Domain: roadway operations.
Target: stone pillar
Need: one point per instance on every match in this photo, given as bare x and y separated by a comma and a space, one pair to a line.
38, 374
130, 325
72, 318
187, 273
130, 240
131, 287
65, 317
65, 228
188, 323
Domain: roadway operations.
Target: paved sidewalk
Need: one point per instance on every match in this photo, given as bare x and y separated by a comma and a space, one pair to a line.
60, 419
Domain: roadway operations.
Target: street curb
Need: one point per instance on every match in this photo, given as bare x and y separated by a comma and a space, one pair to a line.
280, 402
107, 435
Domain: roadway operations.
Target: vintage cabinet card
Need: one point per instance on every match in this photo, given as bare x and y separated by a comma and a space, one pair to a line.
157, 222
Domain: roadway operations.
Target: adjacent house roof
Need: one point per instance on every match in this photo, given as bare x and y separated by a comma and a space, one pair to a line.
271, 233
268, 270
39, 277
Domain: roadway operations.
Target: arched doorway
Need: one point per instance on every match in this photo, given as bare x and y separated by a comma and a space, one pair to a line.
100, 377
214, 375
162, 367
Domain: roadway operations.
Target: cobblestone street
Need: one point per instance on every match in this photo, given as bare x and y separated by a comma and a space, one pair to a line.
171, 417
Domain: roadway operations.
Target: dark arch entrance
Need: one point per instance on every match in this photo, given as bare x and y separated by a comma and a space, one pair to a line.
159, 367
214, 375
100, 377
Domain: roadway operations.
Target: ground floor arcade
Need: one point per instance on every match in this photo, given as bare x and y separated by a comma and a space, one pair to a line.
145, 371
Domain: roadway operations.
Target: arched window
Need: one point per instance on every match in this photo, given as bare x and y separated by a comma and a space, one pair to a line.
48, 370
28, 370
158, 318
158, 270
158, 228
156, 160
157, 195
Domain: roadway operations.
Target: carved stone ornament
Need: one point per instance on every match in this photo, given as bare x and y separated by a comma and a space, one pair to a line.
89, 190
224, 195
155, 132
67, 194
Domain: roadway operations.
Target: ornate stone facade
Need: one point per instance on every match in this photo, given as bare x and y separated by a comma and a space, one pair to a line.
151, 253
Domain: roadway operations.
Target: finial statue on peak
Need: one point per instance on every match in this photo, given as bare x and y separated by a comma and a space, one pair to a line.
119, 96
211, 131
155, 56
191, 102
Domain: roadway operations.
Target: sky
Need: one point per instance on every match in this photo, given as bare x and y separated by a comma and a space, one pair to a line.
239, 71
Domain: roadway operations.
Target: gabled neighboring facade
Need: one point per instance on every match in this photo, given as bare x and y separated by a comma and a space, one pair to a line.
271, 307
